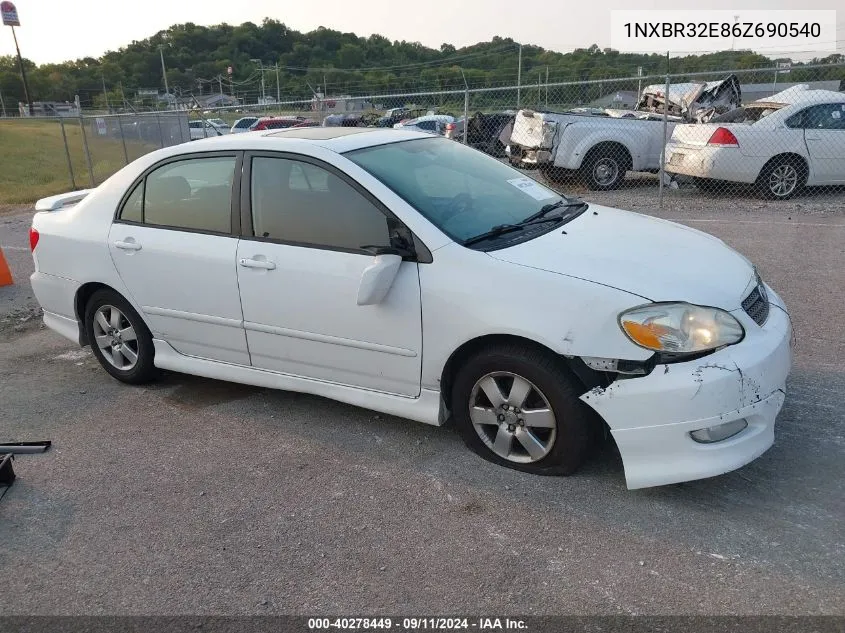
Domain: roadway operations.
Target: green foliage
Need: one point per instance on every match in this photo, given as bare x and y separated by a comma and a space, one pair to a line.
196, 55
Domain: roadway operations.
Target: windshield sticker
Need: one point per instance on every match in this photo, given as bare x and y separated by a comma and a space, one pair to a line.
532, 188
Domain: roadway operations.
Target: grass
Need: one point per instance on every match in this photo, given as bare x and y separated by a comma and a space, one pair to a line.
33, 162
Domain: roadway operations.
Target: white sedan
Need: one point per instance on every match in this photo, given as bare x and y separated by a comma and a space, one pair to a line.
204, 128
431, 123
409, 274
780, 144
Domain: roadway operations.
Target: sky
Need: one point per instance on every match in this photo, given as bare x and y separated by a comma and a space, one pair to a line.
58, 30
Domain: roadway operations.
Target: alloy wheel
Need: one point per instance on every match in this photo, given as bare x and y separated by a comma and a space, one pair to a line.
115, 337
512, 417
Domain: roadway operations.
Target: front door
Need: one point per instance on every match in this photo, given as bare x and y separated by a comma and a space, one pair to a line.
300, 268
174, 248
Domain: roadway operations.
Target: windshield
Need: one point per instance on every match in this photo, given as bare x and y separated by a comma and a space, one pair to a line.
462, 191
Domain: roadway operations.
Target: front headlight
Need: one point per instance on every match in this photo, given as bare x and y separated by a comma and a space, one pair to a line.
680, 328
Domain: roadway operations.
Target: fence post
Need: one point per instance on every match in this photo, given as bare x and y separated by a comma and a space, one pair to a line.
122, 140
87, 151
67, 154
665, 129
466, 113
160, 134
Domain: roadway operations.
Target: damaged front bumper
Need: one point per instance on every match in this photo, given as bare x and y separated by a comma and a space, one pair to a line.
652, 417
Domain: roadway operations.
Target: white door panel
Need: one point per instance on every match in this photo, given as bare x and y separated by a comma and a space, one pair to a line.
302, 318
827, 155
186, 284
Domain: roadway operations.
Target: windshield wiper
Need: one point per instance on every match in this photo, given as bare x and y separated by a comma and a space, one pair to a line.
535, 218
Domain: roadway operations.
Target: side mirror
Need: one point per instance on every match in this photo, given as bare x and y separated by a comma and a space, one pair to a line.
377, 278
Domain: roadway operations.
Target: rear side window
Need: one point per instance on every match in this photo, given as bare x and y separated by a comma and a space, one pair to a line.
244, 123
193, 194
427, 125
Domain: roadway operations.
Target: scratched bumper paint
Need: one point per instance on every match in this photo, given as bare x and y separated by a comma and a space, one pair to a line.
651, 417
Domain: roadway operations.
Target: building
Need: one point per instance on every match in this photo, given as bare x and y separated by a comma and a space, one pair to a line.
337, 105
619, 100
50, 108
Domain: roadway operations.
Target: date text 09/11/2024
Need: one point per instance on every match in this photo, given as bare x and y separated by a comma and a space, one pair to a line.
417, 624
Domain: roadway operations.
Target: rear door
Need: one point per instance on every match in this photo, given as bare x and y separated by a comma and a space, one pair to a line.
174, 245
824, 132
300, 266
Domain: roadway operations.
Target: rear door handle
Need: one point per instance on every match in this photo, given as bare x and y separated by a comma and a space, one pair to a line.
257, 263
128, 246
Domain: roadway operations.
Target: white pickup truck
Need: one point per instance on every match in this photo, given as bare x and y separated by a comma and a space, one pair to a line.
602, 145
601, 148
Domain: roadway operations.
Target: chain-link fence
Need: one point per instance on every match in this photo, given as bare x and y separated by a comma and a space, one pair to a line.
761, 132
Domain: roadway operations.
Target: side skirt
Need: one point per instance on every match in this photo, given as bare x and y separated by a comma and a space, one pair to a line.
426, 408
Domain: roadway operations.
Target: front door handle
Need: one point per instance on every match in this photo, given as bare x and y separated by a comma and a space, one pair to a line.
257, 263
128, 246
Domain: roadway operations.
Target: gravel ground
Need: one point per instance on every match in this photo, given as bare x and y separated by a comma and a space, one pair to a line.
196, 496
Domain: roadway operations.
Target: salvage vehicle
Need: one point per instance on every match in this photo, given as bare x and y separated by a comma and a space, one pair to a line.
412, 275
484, 131
602, 148
779, 144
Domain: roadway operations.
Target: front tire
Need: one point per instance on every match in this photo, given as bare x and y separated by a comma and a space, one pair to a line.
119, 338
518, 407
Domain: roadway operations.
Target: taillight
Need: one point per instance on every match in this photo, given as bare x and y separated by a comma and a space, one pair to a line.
33, 238
450, 126
723, 137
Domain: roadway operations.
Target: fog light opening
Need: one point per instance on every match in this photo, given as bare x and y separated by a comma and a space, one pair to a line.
720, 432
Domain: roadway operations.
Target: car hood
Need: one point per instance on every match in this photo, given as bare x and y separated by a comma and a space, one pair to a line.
653, 258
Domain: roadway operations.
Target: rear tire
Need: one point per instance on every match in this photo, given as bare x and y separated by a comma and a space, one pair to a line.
604, 168
781, 178
119, 338
518, 407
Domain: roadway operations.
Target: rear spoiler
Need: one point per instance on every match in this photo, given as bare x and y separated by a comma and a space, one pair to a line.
54, 203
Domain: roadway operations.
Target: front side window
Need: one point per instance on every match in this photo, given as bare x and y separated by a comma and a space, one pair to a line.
298, 202
194, 194
460, 190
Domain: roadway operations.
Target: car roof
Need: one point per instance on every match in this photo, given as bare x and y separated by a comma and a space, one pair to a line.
800, 95
335, 139
432, 117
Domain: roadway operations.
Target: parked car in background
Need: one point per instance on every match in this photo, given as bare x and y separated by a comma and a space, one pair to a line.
484, 131
353, 270
244, 124
207, 128
392, 116
432, 123
277, 122
779, 144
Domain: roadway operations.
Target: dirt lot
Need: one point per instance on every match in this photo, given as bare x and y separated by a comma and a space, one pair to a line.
195, 496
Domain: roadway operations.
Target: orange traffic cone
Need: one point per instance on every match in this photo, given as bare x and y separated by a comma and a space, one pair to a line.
5, 273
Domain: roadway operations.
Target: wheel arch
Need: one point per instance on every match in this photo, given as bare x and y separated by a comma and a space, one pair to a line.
786, 156
616, 146
80, 301
583, 375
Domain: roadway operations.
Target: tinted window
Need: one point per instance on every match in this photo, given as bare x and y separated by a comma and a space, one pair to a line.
195, 124
830, 116
299, 202
244, 123
427, 125
188, 194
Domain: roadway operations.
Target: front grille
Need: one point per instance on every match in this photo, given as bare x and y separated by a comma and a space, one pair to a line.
756, 304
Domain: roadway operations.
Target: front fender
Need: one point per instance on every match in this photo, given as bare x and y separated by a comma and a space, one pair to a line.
569, 316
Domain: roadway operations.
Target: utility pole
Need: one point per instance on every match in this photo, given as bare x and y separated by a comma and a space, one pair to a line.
23, 73
639, 82
105, 94
519, 77
2, 104
547, 86
278, 89
164, 74
261, 70
220, 84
